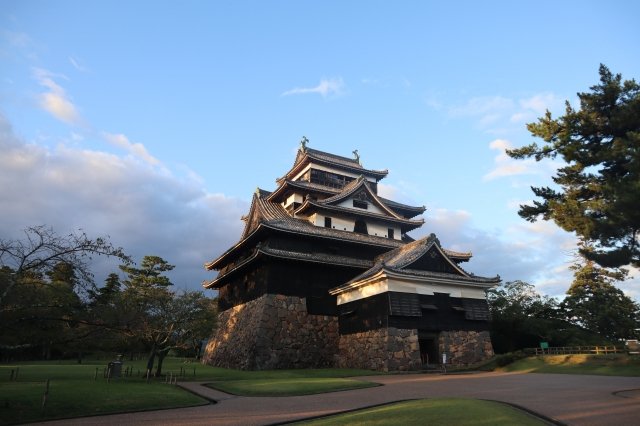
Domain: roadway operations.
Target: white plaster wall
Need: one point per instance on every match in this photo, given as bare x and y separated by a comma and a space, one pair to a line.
405, 287
336, 223
293, 198
381, 230
371, 209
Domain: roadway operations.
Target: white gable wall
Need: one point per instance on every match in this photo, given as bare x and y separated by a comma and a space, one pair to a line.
378, 229
372, 208
293, 198
403, 286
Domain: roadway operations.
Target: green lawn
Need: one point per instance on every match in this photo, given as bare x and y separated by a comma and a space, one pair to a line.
21, 401
605, 365
445, 411
73, 391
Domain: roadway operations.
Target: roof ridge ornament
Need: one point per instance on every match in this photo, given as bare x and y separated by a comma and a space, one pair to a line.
303, 143
356, 156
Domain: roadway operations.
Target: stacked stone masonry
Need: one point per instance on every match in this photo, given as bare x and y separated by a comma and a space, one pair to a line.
273, 331
465, 347
385, 349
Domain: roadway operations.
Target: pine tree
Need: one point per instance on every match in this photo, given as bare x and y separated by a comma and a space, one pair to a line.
600, 183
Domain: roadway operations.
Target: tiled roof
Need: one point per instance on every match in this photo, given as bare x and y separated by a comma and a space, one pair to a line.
303, 185
309, 154
412, 210
333, 158
318, 257
292, 255
352, 188
458, 255
399, 259
407, 223
268, 215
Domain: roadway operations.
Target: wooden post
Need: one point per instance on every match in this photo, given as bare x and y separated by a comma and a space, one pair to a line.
194, 372
109, 375
148, 372
45, 394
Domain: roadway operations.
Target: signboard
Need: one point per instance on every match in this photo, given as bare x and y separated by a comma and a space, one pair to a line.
544, 345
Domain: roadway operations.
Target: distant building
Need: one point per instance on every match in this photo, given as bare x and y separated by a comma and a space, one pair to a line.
326, 275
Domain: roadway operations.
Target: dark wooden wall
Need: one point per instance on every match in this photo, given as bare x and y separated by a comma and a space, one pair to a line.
436, 313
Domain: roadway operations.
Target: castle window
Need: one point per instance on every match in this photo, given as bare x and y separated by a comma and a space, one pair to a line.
327, 222
360, 227
390, 233
332, 180
360, 204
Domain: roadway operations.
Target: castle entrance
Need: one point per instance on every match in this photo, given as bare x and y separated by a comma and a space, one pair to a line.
428, 343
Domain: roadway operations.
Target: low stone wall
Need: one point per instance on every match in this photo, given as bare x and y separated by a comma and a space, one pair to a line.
465, 347
385, 349
273, 331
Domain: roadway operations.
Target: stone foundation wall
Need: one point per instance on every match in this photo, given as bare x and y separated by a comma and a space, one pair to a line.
273, 331
465, 347
385, 349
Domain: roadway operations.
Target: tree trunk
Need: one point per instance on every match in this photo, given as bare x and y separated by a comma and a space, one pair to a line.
161, 355
151, 359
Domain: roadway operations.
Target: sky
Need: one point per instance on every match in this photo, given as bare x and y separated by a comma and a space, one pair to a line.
153, 122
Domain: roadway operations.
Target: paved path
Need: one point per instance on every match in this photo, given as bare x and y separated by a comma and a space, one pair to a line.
570, 399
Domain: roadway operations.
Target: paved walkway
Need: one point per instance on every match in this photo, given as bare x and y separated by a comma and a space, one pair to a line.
570, 399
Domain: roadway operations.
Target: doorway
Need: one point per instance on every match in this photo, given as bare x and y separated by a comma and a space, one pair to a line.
428, 343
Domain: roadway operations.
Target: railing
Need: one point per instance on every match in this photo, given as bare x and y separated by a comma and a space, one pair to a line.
569, 350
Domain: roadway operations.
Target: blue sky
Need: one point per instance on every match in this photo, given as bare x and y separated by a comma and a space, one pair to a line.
154, 122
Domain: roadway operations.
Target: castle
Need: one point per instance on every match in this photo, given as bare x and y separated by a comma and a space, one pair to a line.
325, 275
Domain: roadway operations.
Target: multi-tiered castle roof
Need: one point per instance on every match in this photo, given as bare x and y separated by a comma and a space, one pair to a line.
325, 197
325, 266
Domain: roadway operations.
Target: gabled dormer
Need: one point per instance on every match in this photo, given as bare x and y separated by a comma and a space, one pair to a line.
421, 267
357, 208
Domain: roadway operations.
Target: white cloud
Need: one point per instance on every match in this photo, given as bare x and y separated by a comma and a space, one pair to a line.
493, 113
505, 165
17, 39
55, 100
326, 87
540, 103
136, 149
146, 210
538, 253
482, 106
77, 64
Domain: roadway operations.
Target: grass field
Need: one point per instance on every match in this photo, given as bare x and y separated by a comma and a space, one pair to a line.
75, 391
605, 365
445, 411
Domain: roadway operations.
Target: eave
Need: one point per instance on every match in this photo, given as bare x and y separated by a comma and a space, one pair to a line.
325, 259
321, 233
308, 156
426, 278
291, 185
406, 224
